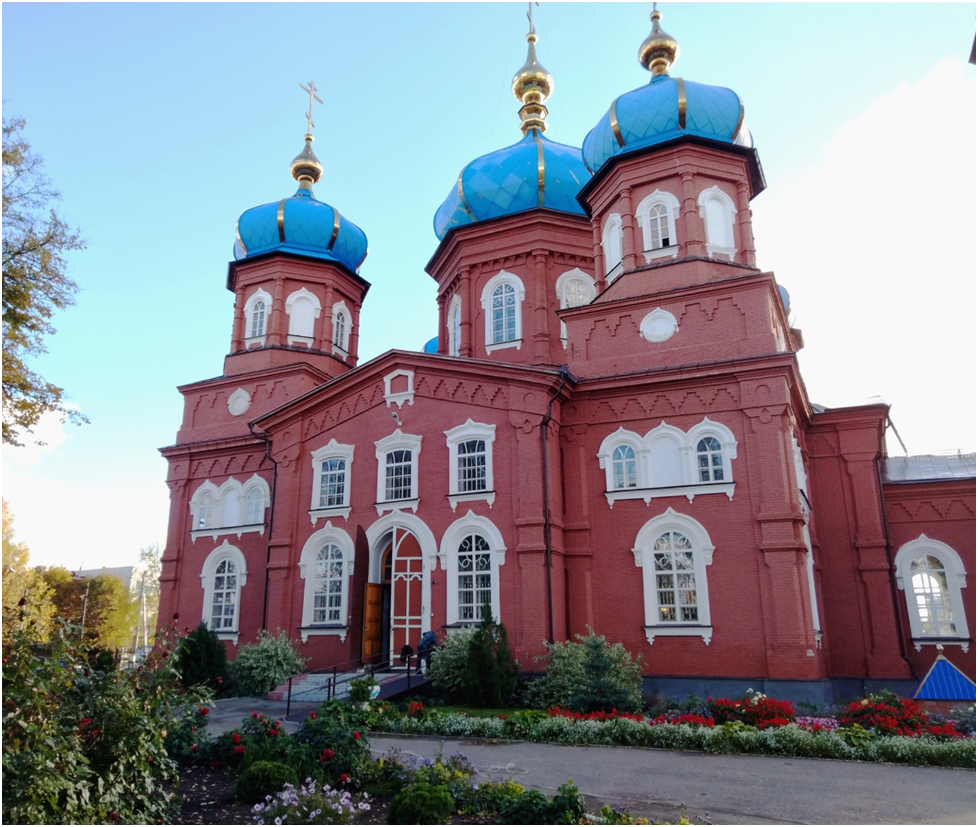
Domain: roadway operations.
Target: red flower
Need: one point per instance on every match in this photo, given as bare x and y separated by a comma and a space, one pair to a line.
236, 738
313, 715
344, 778
255, 715
278, 723
220, 679
113, 815
215, 764
356, 735
239, 750
273, 732
193, 748
203, 710
327, 755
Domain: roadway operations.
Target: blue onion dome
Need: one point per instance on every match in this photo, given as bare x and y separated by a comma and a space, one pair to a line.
534, 172
664, 109
301, 224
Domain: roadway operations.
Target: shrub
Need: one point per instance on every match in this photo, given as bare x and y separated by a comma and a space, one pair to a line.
264, 778
339, 750
533, 807
886, 714
448, 665
263, 665
489, 677
361, 689
201, 659
421, 803
490, 798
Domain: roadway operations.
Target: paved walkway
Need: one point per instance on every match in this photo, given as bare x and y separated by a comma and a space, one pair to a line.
661, 784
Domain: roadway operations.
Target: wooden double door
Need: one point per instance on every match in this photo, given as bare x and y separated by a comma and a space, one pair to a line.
392, 607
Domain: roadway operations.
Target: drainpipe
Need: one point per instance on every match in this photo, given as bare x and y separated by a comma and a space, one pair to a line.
548, 551
271, 516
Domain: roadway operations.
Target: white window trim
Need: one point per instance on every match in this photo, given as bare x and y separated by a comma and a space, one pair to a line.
613, 224
957, 579
256, 341
302, 293
395, 442
448, 557
332, 450
606, 461
343, 349
728, 445
702, 557
455, 306
225, 551
455, 436
503, 277
643, 214
230, 487
563, 280
400, 397
307, 563
713, 249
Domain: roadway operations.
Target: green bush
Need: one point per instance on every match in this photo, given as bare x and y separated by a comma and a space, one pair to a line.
448, 665
533, 807
421, 803
202, 660
490, 671
490, 798
339, 750
263, 665
264, 778
361, 689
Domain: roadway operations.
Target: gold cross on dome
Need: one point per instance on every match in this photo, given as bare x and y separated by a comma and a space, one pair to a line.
311, 89
529, 16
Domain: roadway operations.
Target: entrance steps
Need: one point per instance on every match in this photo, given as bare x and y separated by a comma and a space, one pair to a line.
315, 687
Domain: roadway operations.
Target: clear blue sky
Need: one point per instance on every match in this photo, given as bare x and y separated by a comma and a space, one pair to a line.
162, 123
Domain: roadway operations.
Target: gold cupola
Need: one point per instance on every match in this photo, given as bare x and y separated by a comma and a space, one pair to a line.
532, 85
659, 50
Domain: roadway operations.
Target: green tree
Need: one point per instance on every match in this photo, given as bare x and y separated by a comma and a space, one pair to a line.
26, 598
101, 606
35, 284
490, 671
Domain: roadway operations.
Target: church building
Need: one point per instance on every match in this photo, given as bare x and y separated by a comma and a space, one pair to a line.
610, 432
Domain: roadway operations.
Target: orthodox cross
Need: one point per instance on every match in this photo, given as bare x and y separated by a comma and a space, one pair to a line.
311, 89
529, 15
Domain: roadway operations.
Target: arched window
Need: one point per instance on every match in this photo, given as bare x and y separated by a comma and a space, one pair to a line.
474, 577
223, 576
673, 551
325, 566
206, 512
502, 299
231, 509
303, 308
328, 589
255, 506
331, 466
575, 288
718, 212
397, 465
455, 328
623, 469
470, 463
932, 576
709, 460
611, 242
657, 214
257, 319
341, 328
472, 551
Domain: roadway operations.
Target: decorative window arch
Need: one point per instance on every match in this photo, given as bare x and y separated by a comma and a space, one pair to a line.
470, 463
397, 471
232, 508
331, 479
256, 312
472, 551
303, 308
612, 244
665, 451
326, 566
575, 288
342, 324
673, 551
711, 446
932, 577
455, 326
616, 468
502, 305
718, 212
222, 578
657, 214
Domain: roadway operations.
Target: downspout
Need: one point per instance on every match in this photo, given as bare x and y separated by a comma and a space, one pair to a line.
548, 551
271, 517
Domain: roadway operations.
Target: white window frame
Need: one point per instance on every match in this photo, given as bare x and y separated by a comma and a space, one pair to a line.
327, 535
643, 214
702, 549
564, 281
208, 572
397, 441
302, 295
454, 323
957, 581
613, 264
496, 282
448, 556
249, 309
470, 430
606, 453
718, 222
728, 445
332, 450
341, 336
231, 498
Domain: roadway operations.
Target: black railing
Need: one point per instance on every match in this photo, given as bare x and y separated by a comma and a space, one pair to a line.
342, 674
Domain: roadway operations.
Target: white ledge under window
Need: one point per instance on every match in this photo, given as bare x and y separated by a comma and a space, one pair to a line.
687, 491
301, 340
336, 630
236, 530
472, 496
517, 343
963, 642
397, 505
229, 635
663, 252
705, 632
329, 513
254, 341
716, 251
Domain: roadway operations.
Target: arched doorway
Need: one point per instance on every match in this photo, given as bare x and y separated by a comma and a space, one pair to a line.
394, 608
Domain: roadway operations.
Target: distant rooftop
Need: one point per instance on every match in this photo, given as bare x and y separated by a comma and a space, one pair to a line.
929, 467
124, 573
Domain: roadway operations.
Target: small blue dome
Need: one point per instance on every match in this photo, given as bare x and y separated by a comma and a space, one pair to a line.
508, 181
301, 225
652, 114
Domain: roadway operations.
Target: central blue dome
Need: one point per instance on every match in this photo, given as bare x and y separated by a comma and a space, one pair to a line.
535, 172
664, 109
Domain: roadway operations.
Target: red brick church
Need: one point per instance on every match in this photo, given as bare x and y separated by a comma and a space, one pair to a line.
611, 431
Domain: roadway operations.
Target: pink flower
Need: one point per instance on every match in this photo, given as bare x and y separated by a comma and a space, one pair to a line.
193, 748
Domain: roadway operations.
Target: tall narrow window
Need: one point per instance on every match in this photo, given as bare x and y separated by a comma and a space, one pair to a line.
332, 483
328, 595
471, 466
255, 509
224, 600
258, 319
503, 314
339, 330
455, 347
205, 512
611, 241
659, 227
398, 475
675, 579
474, 577
932, 596
709, 460
623, 467
223, 578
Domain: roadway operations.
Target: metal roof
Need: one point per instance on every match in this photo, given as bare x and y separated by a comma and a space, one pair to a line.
945, 682
929, 467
